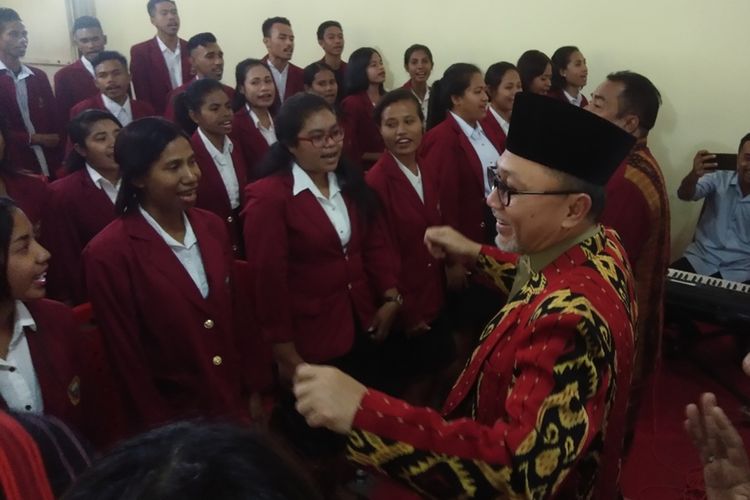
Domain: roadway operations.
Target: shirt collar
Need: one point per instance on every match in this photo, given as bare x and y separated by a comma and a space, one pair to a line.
164, 48
25, 71
404, 168
256, 119
540, 260
87, 64
574, 100
215, 153
504, 124
471, 133
22, 320
275, 69
190, 238
112, 105
303, 181
98, 178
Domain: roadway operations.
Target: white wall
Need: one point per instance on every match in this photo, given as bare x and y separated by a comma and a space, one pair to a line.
695, 51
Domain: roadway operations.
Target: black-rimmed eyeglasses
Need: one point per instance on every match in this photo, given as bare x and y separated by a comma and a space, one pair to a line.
504, 192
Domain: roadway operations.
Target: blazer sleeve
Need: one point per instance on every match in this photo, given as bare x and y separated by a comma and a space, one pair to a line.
267, 249
350, 121
443, 160
113, 299
555, 411
379, 256
497, 267
61, 237
139, 72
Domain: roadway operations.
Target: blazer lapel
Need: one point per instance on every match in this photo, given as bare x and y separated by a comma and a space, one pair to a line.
53, 392
158, 65
212, 255
160, 259
470, 154
405, 191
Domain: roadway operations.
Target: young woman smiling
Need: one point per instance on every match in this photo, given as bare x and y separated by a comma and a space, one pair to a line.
569, 76
418, 63
503, 83
82, 203
204, 108
181, 360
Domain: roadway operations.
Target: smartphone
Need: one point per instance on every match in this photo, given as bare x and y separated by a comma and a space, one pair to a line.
725, 161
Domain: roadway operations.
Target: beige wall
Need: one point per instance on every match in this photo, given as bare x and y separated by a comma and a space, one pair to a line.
693, 50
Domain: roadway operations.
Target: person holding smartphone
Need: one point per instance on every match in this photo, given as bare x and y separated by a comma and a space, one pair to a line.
721, 247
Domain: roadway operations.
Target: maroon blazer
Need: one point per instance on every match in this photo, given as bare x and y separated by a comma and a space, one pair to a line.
420, 278
43, 111
212, 194
150, 75
30, 192
140, 109
250, 142
560, 96
307, 289
76, 212
73, 84
56, 354
361, 133
169, 111
295, 83
173, 352
449, 156
494, 131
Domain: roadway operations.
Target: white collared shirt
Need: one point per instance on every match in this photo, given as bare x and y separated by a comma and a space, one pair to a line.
486, 152
269, 134
123, 113
89, 67
334, 206
414, 180
19, 385
22, 98
280, 78
188, 253
173, 60
224, 164
99, 181
425, 103
504, 124
576, 101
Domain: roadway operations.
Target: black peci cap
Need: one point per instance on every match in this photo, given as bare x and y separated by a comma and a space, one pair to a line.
567, 138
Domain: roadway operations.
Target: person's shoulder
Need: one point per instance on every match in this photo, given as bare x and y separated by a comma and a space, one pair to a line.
50, 311
274, 189
112, 238
63, 186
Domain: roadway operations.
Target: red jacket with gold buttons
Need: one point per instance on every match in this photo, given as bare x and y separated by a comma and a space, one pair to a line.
212, 194
452, 160
307, 289
173, 352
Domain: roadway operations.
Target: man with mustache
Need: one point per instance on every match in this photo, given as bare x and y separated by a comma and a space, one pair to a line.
75, 82
206, 61
538, 412
113, 82
278, 38
162, 63
27, 102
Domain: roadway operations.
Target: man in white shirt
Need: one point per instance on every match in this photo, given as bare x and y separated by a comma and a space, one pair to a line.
75, 82
26, 102
160, 64
113, 81
278, 38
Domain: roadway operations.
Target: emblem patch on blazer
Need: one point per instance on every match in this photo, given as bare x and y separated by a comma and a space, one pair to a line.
74, 390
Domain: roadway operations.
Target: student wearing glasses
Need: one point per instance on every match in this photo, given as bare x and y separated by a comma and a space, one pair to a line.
325, 287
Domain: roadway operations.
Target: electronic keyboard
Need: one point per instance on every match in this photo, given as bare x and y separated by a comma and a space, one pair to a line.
723, 299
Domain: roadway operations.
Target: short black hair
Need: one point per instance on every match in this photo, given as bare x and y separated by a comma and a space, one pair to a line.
192, 461
268, 24
744, 139
639, 97
84, 22
200, 40
412, 49
495, 73
151, 6
7, 16
78, 129
325, 25
109, 55
393, 97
